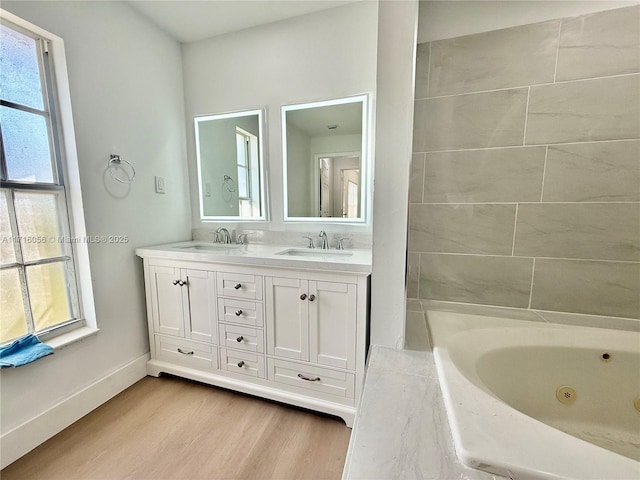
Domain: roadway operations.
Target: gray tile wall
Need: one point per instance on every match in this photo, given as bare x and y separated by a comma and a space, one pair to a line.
525, 183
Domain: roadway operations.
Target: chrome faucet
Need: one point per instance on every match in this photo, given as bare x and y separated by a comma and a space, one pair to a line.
226, 237
325, 244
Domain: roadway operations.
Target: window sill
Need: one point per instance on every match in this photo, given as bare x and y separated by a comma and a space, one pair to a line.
73, 336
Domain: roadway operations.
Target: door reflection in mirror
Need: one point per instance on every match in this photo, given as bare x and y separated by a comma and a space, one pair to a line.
325, 159
338, 185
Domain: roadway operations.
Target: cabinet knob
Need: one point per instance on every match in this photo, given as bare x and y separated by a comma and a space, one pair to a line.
303, 296
239, 339
241, 364
185, 353
238, 313
182, 282
237, 286
308, 379
312, 297
175, 282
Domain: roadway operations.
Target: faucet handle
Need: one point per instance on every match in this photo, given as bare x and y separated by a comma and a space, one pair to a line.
340, 245
311, 245
241, 238
216, 239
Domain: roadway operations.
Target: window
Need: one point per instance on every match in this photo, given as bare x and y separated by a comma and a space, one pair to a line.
38, 267
248, 178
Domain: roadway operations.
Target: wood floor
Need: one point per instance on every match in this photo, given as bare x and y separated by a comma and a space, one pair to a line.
170, 428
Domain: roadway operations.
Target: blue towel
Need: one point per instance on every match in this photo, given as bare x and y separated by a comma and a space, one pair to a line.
24, 350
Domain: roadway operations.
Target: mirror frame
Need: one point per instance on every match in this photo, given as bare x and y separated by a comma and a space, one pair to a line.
261, 166
365, 160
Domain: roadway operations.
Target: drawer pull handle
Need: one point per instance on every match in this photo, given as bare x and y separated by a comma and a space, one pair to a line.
239, 339
315, 379
241, 364
238, 313
312, 297
237, 286
185, 353
303, 296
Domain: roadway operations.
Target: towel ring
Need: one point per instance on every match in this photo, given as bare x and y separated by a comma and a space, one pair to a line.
116, 161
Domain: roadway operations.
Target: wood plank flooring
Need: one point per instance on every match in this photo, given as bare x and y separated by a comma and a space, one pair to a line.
170, 428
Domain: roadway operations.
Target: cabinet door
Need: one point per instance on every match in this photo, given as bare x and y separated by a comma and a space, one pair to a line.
199, 305
166, 301
332, 324
287, 317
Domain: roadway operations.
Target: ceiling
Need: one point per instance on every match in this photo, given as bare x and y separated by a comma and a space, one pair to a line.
347, 118
190, 21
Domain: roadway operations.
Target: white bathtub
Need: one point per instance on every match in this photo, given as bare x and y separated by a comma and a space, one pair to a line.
501, 378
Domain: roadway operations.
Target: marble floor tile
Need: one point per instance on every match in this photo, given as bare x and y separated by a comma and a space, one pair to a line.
402, 431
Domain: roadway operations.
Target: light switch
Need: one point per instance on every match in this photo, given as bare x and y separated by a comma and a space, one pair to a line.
160, 185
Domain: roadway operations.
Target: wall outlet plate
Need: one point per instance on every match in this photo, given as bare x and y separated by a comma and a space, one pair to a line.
160, 185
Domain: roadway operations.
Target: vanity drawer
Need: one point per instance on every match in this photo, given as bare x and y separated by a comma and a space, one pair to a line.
312, 380
239, 285
244, 363
240, 311
241, 338
186, 353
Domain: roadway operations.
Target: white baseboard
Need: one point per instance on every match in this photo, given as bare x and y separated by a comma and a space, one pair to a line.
24, 438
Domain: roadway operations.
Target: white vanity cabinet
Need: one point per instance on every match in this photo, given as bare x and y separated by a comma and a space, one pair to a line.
293, 335
183, 302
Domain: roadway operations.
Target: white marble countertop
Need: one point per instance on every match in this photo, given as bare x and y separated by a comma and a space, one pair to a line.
401, 430
349, 260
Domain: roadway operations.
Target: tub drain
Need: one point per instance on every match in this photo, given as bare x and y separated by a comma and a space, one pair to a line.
566, 395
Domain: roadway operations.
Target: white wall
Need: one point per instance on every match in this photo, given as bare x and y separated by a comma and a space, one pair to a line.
397, 25
325, 55
448, 19
126, 90
298, 172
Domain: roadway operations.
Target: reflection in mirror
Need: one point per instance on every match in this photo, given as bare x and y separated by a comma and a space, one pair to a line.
229, 155
325, 163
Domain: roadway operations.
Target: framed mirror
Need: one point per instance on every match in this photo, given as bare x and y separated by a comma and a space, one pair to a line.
229, 154
326, 160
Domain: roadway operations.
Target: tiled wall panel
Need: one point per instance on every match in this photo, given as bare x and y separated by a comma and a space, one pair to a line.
489, 175
601, 44
547, 218
605, 231
583, 111
492, 119
596, 288
593, 172
480, 228
487, 280
487, 61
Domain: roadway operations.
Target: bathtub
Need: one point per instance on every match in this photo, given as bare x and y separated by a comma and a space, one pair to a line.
533, 400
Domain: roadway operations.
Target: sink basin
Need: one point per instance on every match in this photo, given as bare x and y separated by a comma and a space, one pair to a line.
308, 252
209, 247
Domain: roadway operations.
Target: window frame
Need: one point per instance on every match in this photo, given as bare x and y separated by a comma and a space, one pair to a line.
66, 177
